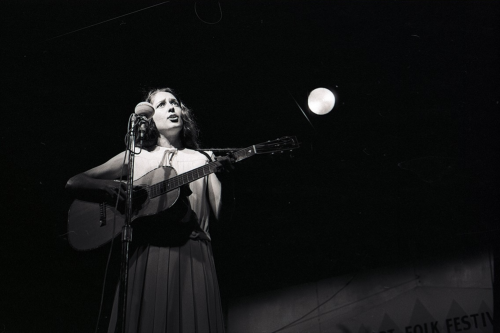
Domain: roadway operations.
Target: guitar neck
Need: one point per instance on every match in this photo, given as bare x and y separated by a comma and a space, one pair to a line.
192, 175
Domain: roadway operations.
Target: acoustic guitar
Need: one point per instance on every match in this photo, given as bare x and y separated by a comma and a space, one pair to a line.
91, 224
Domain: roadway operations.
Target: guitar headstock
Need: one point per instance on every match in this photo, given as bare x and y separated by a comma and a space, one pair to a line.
282, 144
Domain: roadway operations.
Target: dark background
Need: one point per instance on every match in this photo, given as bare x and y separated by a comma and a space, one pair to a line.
401, 170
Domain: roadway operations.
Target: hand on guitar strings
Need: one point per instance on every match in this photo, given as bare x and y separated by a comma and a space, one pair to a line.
113, 191
225, 164
117, 191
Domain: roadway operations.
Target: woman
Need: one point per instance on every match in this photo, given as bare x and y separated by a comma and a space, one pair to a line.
172, 281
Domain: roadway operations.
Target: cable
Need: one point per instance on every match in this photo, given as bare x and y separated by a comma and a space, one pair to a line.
113, 238
317, 307
196, 12
329, 299
127, 137
96, 24
492, 265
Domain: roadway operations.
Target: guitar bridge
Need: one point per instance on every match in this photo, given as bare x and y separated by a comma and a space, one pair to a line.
102, 214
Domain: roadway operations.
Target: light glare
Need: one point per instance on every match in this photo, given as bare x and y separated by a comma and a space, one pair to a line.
321, 101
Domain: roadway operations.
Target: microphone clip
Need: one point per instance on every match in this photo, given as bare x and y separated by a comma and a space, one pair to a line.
139, 119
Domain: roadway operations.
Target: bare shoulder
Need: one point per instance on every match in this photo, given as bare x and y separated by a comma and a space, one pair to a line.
198, 154
111, 169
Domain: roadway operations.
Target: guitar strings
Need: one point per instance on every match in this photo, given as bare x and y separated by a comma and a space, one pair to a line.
184, 178
175, 182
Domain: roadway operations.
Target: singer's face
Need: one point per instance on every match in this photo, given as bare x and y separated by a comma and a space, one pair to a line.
167, 113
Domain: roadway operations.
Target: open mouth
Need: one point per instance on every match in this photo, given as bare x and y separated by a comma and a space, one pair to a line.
173, 118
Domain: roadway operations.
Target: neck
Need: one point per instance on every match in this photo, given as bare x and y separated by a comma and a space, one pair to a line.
170, 142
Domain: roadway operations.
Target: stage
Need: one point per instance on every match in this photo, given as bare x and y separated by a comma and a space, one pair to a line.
400, 174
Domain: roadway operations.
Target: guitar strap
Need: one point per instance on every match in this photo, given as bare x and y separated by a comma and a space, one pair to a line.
208, 156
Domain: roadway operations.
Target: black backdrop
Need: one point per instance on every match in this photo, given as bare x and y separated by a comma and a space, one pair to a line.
401, 169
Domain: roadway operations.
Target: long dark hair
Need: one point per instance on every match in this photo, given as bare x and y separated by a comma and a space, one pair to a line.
189, 133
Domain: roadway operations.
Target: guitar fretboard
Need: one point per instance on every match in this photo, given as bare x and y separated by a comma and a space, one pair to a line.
192, 175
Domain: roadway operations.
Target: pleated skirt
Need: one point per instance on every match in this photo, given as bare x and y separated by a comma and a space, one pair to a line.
172, 289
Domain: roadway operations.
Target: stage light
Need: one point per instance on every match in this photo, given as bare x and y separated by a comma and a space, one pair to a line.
321, 101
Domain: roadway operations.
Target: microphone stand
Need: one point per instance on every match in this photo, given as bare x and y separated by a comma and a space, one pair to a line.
126, 233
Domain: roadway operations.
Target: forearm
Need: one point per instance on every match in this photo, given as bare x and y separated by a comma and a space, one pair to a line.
214, 194
86, 188
97, 184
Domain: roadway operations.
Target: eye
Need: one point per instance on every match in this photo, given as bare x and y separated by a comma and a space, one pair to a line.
161, 104
174, 102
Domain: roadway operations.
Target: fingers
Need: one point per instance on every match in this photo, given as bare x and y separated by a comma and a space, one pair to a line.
116, 191
227, 162
231, 158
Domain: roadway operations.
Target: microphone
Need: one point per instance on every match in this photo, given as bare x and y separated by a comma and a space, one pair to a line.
144, 111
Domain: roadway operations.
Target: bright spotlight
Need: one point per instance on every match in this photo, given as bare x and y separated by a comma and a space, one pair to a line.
321, 101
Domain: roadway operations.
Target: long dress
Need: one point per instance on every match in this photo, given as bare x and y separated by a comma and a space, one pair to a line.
173, 286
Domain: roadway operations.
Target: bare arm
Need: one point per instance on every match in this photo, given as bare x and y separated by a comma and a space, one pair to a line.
97, 184
214, 194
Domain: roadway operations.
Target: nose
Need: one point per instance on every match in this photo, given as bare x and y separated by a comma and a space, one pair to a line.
171, 109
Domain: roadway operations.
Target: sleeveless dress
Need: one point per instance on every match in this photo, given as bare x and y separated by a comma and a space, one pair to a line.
173, 286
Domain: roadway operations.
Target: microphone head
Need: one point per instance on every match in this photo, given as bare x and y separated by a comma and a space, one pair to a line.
145, 109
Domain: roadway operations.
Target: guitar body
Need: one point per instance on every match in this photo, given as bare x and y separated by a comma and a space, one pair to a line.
91, 225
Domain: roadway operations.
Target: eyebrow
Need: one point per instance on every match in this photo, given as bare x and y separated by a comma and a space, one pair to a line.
159, 102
